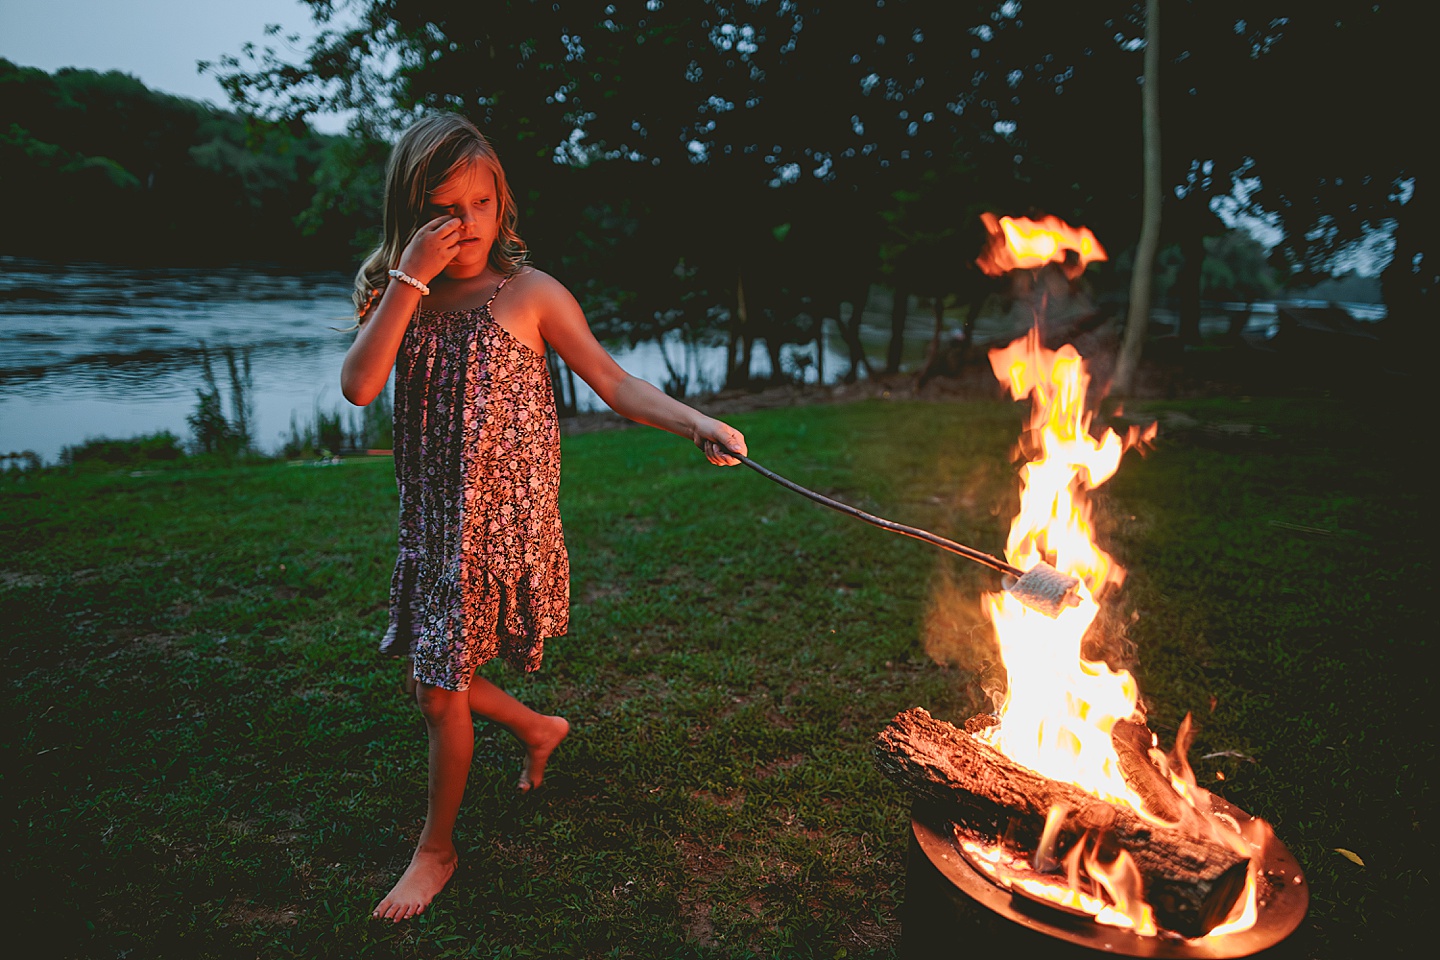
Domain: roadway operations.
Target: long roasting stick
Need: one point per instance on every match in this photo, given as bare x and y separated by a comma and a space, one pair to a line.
1041, 588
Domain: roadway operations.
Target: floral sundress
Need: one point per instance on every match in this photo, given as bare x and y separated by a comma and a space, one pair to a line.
482, 569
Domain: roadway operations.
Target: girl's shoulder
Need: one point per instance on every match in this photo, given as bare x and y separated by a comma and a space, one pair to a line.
535, 287
533, 280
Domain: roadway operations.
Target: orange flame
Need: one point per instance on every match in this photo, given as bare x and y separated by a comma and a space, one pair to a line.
1019, 242
1059, 708
1121, 881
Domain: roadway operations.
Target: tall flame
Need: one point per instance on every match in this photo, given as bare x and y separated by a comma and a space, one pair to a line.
1019, 243
1060, 707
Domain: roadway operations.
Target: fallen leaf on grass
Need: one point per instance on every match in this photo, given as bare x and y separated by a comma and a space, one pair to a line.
1229, 753
1350, 855
1302, 528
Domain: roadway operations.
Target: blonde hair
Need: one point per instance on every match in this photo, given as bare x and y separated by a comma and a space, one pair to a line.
427, 153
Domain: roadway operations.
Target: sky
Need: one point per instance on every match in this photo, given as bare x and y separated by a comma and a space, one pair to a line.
158, 41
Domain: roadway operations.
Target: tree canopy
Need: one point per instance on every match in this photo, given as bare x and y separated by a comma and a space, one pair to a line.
757, 162
99, 166
1303, 103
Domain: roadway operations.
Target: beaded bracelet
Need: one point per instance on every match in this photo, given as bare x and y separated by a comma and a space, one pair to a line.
404, 277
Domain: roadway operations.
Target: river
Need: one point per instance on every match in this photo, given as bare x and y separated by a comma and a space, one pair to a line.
94, 350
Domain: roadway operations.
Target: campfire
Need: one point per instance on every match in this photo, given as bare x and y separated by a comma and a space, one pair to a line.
1063, 796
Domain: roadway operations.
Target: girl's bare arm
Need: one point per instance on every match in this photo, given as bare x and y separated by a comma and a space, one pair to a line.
563, 326
371, 357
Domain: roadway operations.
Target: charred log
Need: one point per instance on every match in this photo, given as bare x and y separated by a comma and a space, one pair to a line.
1133, 743
1191, 882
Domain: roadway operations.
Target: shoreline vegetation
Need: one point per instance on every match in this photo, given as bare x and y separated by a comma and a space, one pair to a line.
1311, 359
205, 758
780, 281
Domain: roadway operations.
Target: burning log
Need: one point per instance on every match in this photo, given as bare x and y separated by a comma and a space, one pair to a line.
1190, 881
1132, 744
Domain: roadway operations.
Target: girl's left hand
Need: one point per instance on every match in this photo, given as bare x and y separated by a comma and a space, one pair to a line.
715, 437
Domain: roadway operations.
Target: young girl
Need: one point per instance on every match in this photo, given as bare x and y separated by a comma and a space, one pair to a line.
448, 301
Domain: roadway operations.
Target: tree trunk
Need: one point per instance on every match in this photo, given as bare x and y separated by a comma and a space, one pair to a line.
564, 403
1138, 321
1187, 282
1408, 287
1190, 881
820, 342
931, 367
1239, 320
968, 336
732, 353
737, 354
850, 331
899, 307
773, 346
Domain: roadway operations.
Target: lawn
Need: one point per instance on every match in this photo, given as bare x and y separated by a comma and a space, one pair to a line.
203, 757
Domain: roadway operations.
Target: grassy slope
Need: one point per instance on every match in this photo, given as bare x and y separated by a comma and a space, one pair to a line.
202, 757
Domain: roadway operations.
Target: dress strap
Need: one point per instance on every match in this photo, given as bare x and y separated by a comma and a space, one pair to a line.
503, 280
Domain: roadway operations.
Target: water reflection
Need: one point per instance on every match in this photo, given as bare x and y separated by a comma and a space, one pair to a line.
98, 350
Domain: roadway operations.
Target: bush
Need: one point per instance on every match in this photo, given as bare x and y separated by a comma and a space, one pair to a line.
149, 448
213, 432
327, 434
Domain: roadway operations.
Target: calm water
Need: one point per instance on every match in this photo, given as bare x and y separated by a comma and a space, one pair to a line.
100, 351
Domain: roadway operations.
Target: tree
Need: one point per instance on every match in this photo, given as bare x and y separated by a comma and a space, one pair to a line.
717, 122
732, 111
112, 170
1237, 268
1138, 319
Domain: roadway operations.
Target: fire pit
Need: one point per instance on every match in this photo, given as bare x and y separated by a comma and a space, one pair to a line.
941, 885
1060, 812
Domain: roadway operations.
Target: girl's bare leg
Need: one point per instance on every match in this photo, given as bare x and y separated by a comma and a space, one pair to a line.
540, 733
452, 743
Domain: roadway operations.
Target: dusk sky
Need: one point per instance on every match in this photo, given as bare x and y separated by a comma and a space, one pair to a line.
158, 41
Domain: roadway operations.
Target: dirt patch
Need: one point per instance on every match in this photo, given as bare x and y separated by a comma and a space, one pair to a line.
257, 914
599, 592
704, 865
768, 770
733, 800
695, 918
867, 935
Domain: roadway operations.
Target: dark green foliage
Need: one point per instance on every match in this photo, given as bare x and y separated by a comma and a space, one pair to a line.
138, 450
203, 757
98, 166
211, 430
718, 122
332, 433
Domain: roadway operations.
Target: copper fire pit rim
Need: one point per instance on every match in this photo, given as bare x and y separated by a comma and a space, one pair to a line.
1286, 907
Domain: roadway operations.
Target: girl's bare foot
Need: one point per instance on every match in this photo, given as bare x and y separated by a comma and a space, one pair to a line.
537, 753
426, 876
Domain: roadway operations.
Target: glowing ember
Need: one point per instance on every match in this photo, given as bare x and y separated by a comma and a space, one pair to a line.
1022, 243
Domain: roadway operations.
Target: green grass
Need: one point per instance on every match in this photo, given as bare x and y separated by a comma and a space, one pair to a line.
202, 756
